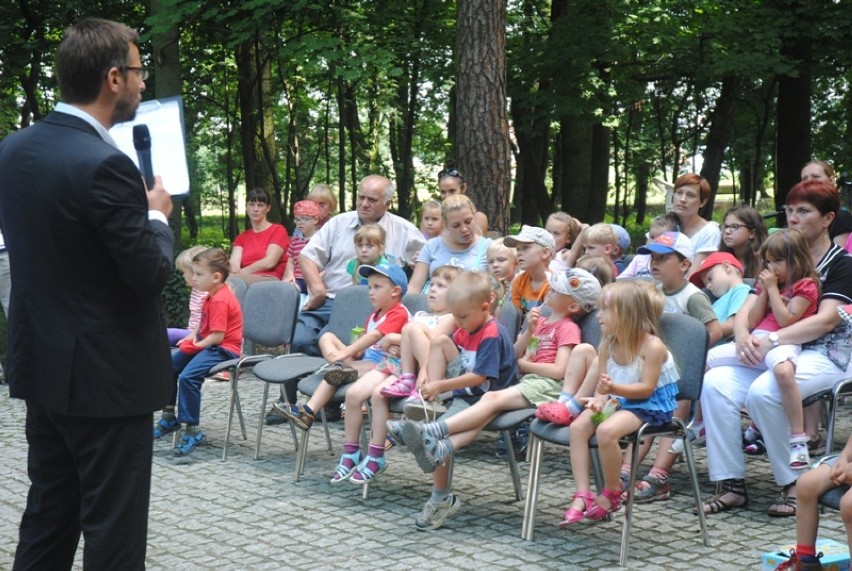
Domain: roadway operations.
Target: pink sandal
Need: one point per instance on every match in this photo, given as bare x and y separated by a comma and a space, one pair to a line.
398, 389
573, 515
597, 512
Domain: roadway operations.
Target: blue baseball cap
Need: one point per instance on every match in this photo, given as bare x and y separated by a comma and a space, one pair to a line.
669, 242
390, 271
622, 235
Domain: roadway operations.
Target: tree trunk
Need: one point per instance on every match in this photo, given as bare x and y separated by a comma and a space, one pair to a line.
793, 131
717, 138
532, 133
599, 172
482, 123
575, 158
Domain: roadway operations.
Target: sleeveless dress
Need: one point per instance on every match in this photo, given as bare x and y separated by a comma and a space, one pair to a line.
658, 408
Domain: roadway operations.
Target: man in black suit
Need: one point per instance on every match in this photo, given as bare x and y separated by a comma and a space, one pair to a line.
87, 341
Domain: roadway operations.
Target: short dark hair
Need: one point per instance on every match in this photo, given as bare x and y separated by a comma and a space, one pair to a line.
216, 260
89, 49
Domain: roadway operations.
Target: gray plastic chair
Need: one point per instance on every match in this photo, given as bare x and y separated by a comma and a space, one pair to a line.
687, 340
269, 318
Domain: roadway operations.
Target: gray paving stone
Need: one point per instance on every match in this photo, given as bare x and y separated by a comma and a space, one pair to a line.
248, 514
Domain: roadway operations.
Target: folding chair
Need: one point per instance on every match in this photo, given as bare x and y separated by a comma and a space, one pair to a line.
269, 317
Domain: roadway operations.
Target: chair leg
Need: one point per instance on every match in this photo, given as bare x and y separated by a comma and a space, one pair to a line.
325, 428
235, 380
829, 429
232, 400
300, 455
693, 475
528, 526
628, 507
261, 420
513, 466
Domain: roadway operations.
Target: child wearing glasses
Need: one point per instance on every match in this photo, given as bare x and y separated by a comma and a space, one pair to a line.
743, 232
306, 214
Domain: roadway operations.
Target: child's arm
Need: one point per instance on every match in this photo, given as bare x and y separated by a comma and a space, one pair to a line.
757, 311
526, 334
389, 340
289, 272
653, 357
841, 472
418, 276
555, 370
215, 338
576, 251
352, 351
432, 389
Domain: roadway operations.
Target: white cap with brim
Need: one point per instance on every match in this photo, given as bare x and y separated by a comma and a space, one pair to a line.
583, 287
532, 235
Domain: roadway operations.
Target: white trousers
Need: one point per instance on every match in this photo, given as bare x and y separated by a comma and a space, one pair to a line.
727, 389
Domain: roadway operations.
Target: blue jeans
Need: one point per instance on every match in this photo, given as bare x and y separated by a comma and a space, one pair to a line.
190, 371
309, 327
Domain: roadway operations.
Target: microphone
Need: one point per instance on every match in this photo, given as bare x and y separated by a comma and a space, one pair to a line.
142, 144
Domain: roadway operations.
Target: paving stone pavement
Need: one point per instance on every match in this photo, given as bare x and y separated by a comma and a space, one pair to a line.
250, 514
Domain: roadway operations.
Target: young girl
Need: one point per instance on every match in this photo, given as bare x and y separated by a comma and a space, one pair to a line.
636, 369
640, 265
503, 267
369, 250
450, 182
788, 290
322, 195
306, 214
743, 232
565, 230
183, 262
430, 219
392, 378
219, 338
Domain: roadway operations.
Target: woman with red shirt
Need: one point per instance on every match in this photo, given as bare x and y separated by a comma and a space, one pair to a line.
259, 253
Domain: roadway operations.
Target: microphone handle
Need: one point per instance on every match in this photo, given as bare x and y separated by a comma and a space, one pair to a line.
145, 165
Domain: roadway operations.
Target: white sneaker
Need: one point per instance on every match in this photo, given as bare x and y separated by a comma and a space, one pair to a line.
434, 515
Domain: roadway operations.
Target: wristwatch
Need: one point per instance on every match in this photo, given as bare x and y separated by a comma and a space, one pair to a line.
773, 338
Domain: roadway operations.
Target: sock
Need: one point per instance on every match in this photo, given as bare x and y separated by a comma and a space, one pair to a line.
437, 429
308, 410
192, 429
439, 496
658, 473
796, 438
349, 448
564, 397
376, 451
806, 550
574, 407
443, 449
408, 378
168, 415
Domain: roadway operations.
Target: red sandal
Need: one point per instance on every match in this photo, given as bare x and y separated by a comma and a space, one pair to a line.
597, 512
573, 515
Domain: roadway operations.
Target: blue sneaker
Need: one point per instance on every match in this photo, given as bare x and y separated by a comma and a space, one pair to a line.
189, 442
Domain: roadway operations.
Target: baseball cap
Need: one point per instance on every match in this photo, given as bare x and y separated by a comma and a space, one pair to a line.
712, 260
669, 242
390, 271
582, 286
623, 236
532, 235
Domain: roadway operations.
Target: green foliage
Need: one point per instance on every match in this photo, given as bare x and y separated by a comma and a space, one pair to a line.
176, 300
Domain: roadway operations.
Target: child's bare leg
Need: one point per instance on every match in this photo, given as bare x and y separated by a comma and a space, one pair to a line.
791, 397
356, 396
809, 487
380, 406
329, 342
609, 432
582, 365
442, 351
320, 397
363, 367
489, 406
846, 514
581, 431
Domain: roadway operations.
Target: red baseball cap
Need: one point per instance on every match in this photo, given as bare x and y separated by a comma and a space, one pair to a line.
712, 260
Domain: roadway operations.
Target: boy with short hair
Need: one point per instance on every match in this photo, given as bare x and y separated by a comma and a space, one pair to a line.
481, 357
721, 273
535, 247
387, 284
219, 338
621, 247
671, 257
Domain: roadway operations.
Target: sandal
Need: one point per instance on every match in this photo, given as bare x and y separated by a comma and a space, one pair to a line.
344, 471
363, 473
190, 443
785, 505
573, 515
557, 414
398, 389
597, 512
164, 427
651, 488
716, 505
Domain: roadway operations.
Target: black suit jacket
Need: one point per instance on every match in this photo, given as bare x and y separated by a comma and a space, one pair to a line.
86, 330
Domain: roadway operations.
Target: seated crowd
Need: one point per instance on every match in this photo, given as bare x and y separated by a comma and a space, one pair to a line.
776, 308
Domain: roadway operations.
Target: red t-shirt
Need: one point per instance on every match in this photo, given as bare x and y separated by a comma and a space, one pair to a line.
221, 312
255, 244
391, 322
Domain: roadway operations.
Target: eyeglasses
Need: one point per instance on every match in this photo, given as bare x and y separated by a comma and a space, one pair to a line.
733, 227
304, 219
141, 70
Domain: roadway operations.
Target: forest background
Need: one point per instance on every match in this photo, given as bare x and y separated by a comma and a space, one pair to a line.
544, 105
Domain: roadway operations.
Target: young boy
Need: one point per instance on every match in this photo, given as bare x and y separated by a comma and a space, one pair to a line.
219, 338
831, 474
671, 257
387, 284
482, 357
306, 214
722, 274
536, 248
640, 265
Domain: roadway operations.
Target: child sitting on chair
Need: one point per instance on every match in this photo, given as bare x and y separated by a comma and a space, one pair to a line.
478, 358
369, 250
382, 330
219, 338
183, 262
394, 377
543, 357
